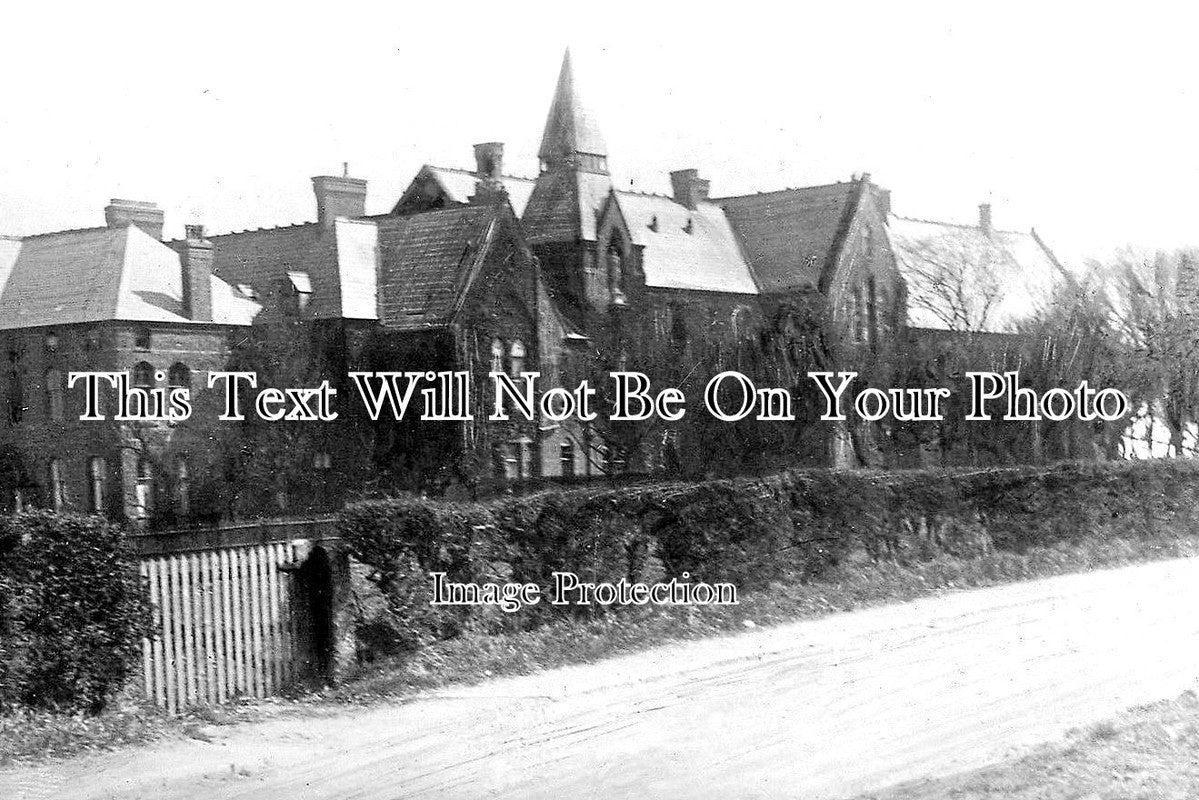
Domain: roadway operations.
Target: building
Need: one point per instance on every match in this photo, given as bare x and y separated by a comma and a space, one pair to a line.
110, 299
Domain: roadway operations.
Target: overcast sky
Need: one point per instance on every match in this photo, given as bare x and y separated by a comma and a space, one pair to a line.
1080, 120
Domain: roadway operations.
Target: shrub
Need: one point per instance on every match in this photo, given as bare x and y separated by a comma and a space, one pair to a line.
73, 611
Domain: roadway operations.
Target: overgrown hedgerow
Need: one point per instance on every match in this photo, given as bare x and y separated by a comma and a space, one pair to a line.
797, 525
72, 611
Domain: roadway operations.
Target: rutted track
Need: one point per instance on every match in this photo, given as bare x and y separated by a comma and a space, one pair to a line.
816, 709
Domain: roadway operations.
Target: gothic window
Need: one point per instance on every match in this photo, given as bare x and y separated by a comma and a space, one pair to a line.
144, 490
497, 355
516, 359
58, 496
143, 375
141, 337
97, 473
182, 487
616, 270
54, 396
179, 376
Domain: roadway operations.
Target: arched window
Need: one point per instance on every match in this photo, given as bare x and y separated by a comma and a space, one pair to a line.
182, 487
58, 495
141, 337
54, 397
97, 473
143, 375
497, 355
179, 376
516, 358
616, 270
144, 492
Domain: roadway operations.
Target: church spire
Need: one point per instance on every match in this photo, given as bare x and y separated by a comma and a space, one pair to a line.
572, 138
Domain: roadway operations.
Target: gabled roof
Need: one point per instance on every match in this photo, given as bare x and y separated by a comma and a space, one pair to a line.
458, 185
962, 277
790, 236
685, 248
570, 127
102, 274
426, 262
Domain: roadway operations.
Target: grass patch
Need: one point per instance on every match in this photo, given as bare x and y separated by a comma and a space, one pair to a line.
855, 584
31, 735
1147, 752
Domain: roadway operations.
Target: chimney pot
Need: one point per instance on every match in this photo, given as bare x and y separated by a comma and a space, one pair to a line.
984, 218
489, 172
338, 196
147, 216
689, 189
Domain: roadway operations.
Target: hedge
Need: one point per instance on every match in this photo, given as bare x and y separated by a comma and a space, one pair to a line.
750, 531
72, 611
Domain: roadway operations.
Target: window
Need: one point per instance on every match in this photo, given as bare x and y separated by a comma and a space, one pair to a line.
499, 462
858, 317
16, 389
54, 395
58, 497
516, 359
182, 487
51, 342
566, 458
143, 375
868, 239
737, 321
616, 271
497, 355
91, 340
144, 490
97, 473
180, 376
520, 451
322, 461
872, 311
141, 337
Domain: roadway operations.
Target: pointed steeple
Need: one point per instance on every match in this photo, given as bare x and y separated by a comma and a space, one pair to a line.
572, 138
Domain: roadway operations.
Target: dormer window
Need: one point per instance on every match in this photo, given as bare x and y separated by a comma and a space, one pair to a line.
297, 290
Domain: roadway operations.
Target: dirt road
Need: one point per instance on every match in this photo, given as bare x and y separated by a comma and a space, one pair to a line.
817, 709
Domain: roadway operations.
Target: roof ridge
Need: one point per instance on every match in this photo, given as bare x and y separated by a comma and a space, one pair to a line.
258, 230
782, 191
68, 230
466, 171
962, 225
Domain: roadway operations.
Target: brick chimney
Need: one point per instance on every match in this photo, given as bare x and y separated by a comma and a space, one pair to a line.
984, 218
147, 216
688, 187
338, 197
489, 172
195, 261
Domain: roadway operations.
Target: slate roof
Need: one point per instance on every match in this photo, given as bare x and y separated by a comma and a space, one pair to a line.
1004, 277
100, 274
570, 126
341, 268
708, 258
426, 261
789, 236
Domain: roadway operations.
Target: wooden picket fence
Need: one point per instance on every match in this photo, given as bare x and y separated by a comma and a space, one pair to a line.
228, 620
